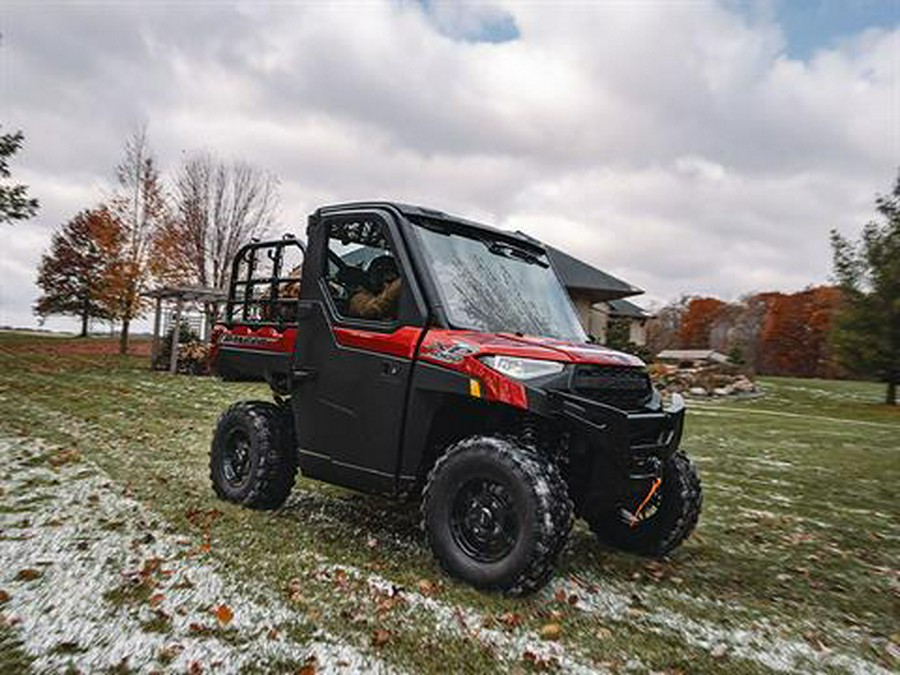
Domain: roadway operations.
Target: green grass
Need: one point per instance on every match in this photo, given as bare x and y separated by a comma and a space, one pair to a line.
798, 540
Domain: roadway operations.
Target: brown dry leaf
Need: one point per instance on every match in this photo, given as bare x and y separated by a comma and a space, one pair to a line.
551, 631
168, 653
573, 600
150, 566
387, 604
224, 615
511, 619
29, 574
295, 590
427, 587
273, 634
156, 599
380, 637
65, 457
4, 597
341, 580
194, 668
560, 595
309, 666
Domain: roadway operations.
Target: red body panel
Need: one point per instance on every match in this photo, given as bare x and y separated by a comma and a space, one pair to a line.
402, 342
505, 344
264, 338
458, 350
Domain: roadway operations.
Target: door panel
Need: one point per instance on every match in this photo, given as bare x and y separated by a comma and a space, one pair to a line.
354, 371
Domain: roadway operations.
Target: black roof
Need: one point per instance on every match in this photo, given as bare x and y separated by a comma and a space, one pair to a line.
627, 310
580, 276
434, 214
575, 274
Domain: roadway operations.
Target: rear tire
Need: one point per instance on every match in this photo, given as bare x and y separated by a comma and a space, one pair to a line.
496, 514
253, 458
677, 512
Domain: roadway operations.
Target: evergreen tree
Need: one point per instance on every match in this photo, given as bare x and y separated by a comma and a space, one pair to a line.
867, 334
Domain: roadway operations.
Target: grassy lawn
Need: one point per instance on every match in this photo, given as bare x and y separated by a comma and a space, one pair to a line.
793, 566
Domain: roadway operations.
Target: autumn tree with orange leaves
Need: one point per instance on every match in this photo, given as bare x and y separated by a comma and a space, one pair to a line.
698, 320
71, 273
771, 333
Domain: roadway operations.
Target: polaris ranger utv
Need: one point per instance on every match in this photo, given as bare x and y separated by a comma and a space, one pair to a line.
423, 354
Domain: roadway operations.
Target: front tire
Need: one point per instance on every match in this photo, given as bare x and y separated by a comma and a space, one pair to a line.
253, 458
676, 511
496, 514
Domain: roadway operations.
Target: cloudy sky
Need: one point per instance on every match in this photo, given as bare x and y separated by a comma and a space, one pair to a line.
687, 147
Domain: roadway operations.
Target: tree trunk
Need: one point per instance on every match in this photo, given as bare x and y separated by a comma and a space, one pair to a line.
891, 398
123, 337
84, 324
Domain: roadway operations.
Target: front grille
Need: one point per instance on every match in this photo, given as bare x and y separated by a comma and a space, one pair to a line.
626, 388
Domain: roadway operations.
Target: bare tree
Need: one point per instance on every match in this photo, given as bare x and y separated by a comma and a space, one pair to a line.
219, 207
140, 210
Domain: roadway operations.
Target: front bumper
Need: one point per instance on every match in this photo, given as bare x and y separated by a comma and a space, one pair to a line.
629, 436
623, 452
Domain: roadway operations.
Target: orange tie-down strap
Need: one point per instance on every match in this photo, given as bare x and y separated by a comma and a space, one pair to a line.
653, 488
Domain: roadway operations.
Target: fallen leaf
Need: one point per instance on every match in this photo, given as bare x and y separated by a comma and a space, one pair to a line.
511, 619
194, 668
224, 615
551, 631
156, 599
273, 634
573, 600
29, 574
309, 666
427, 587
560, 595
65, 457
387, 604
4, 597
380, 637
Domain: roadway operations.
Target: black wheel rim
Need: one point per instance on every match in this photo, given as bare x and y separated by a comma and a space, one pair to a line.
483, 520
236, 457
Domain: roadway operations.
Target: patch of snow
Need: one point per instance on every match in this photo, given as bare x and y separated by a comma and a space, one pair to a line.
614, 602
89, 544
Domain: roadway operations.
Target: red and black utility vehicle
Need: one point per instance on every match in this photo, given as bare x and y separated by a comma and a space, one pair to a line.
412, 353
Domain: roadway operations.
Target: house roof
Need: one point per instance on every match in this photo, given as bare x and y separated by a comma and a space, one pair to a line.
691, 355
627, 310
579, 276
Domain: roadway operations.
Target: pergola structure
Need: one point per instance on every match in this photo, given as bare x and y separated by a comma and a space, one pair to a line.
184, 297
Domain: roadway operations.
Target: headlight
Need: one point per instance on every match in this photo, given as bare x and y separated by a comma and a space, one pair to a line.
522, 369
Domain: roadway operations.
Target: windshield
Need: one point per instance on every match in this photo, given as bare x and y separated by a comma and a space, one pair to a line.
490, 285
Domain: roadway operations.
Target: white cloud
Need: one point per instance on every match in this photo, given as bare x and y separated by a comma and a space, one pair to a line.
673, 145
